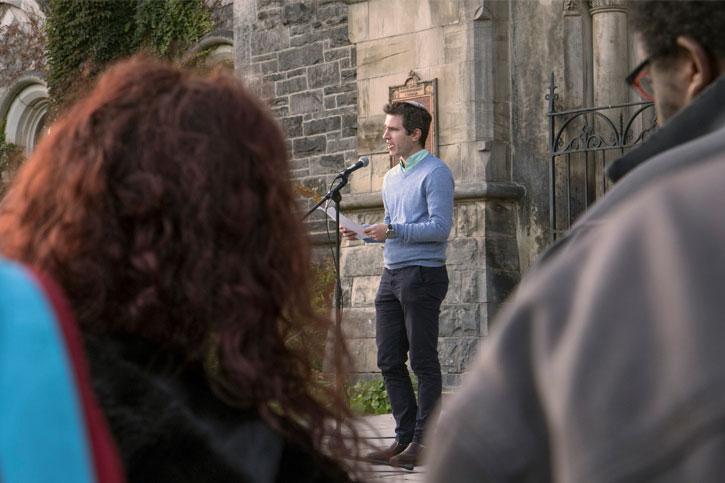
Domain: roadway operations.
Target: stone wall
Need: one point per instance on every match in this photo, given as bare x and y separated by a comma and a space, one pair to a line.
327, 67
299, 57
222, 13
587, 47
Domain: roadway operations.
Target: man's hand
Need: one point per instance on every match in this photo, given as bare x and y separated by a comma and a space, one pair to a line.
349, 234
377, 231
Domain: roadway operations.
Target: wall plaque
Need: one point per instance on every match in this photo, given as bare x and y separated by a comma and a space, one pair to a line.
426, 93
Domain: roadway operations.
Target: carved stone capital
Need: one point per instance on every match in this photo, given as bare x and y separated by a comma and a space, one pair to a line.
601, 6
572, 7
482, 12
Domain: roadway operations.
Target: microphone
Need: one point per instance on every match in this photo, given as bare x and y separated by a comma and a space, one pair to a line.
361, 163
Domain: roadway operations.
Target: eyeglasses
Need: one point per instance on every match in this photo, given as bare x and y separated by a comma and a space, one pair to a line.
640, 80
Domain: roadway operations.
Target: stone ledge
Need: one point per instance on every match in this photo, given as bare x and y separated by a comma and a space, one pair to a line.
320, 239
484, 191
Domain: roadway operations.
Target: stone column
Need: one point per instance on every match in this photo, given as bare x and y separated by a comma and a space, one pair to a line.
610, 46
610, 59
577, 55
245, 15
574, 174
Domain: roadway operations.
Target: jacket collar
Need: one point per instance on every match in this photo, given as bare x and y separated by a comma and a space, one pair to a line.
704, 115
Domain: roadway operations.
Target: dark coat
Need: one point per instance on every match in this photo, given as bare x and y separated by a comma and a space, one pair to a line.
170, 427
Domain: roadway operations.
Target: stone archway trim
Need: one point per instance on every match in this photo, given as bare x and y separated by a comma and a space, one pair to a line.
23, 110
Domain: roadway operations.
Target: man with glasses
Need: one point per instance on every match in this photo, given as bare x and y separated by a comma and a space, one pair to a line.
678, 68
418, 201
608, 363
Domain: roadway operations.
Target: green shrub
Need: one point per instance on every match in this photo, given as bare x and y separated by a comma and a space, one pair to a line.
369, 397
323, 286
86, 35
11, 157
168, 28
313, 340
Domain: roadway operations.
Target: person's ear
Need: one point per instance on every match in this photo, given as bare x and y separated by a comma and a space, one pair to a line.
702, 72
417, 133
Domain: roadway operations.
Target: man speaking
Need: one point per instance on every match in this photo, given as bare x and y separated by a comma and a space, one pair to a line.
418, 201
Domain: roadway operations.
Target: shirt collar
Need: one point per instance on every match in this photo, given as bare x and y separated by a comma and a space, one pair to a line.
413, 160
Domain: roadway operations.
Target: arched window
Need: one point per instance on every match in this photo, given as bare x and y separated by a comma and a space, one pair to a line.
215, 49
24, 110
23, 92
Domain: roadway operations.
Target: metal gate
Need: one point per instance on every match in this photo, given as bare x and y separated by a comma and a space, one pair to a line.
582, 144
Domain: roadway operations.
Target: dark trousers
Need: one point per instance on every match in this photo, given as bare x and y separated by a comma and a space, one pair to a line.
407, 307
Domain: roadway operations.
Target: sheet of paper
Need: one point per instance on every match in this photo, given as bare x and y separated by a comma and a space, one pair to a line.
346, 222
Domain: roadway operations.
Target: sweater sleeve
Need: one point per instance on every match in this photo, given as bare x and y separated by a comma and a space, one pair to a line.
438, 188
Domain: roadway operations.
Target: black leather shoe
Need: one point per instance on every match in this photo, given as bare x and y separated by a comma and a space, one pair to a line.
382, 457
410, 458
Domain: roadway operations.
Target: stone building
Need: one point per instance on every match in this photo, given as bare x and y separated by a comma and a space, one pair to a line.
327, 67
513, 77
23, 92
24, 100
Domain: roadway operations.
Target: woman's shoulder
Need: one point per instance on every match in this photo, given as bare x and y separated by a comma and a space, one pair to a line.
170, 425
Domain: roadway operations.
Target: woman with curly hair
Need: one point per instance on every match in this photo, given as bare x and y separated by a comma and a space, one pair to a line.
162, 205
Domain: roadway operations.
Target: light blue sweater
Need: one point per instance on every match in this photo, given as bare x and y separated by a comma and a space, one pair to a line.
419, 204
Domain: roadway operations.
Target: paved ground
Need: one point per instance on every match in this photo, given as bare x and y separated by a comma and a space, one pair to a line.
380, 431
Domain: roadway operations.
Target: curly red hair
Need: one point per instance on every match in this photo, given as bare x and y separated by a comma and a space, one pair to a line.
162, 204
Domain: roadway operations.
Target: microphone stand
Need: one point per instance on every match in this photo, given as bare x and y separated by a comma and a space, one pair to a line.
334, 195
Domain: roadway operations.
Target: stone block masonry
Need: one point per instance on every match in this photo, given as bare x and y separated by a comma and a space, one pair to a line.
299, 57
326, 67
483, 229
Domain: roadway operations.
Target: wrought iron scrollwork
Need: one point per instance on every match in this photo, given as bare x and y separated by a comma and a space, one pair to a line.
597, 131
575, 138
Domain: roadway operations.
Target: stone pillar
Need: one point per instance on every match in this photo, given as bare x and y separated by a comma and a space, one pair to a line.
577, 55
610, 45
245, 16
577, 93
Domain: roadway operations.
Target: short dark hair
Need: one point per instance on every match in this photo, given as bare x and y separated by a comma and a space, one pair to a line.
414, 117
661, 22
